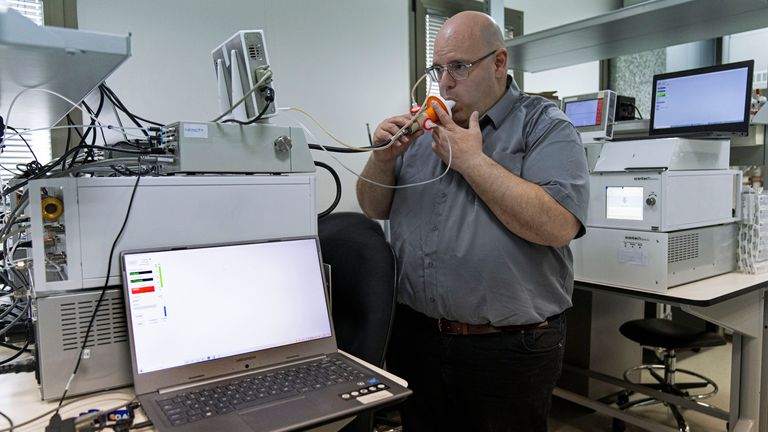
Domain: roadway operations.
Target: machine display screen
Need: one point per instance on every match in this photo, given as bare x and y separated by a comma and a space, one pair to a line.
714, 99
624, 202
585, 112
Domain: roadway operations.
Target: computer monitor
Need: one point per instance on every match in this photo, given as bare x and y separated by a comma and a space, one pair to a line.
592, 114
240, 63
709, 101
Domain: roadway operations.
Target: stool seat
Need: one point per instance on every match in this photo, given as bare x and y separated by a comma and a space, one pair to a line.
663, 333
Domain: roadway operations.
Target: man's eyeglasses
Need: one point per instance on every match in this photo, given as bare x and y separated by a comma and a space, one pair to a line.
457, 71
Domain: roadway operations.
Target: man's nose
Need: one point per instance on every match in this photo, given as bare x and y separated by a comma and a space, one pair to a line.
447, 81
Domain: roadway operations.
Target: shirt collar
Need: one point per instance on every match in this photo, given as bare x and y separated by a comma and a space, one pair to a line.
501, 109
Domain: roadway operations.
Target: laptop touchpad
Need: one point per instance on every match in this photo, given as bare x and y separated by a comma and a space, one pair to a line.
280, 413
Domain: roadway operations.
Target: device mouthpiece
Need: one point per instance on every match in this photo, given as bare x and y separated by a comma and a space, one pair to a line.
428, 119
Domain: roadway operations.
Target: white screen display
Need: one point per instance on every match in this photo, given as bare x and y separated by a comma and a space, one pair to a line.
624, 203
584, 113
193, 305
699, 100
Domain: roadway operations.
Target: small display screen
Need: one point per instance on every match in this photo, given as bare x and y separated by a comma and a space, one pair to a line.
625, 203
585, 112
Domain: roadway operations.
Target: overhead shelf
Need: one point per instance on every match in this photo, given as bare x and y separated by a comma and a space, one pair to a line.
66, 61
645, 26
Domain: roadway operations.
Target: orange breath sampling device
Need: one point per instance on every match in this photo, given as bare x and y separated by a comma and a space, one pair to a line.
428, 118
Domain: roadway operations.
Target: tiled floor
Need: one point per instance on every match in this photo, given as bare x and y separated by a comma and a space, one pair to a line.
714, 363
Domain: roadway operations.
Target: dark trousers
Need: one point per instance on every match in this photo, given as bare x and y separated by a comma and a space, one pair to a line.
493, 382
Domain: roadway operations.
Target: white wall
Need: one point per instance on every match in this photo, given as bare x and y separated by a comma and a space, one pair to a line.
544, 14
344, 61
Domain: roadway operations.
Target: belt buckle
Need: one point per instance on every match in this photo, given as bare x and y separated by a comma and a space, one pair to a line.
449, 327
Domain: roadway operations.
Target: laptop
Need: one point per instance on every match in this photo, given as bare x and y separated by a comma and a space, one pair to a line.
239, 337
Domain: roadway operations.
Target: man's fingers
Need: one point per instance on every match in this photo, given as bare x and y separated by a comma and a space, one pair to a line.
401, 121
474, 121
390, 128
442, 116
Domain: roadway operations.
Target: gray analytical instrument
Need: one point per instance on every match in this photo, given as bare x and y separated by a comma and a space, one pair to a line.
662, 213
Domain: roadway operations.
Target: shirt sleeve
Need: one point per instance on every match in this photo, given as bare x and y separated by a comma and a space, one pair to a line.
555, 160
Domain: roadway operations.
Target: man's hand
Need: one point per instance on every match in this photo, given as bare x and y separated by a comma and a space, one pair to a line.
466, 145
386, 130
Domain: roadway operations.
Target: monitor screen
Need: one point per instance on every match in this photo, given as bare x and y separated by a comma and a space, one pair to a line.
585, 112
707, 101
624, 202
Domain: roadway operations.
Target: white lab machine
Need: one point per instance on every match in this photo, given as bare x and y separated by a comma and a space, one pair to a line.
662, 213
225, 148
656, 185
654, 261
70, 251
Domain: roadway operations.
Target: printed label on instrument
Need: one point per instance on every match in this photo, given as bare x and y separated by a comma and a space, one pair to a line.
192, 130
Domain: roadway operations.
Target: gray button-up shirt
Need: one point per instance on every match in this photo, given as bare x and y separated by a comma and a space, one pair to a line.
456, 260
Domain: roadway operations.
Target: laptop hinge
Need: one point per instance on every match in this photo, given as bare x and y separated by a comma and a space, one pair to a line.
189, 385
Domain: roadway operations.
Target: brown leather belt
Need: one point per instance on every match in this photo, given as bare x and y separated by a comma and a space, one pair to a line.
458, 328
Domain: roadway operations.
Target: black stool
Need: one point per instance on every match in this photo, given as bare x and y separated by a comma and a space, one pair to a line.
667, 336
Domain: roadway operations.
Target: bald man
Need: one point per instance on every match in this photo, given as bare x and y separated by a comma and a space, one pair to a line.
485, 271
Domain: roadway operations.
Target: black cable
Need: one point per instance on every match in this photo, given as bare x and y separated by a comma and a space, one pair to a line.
9, 308
122, 107
18, 318
103, 290
21, 366
336, 180
13, 347
8, 419
253, 120
337, 149
141, 425
94, 116
269, 96
70, 122
25, 142
129, 144
370, 138
637, 110
89, 129
51, 165
17, 355
69, 133
119, 104
98, 113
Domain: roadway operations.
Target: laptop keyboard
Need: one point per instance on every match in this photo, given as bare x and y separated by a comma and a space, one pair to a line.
256, 390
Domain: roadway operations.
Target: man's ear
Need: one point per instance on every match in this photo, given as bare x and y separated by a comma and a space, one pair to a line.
500, 62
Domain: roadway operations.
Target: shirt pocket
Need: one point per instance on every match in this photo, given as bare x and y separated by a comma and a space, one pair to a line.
513, 162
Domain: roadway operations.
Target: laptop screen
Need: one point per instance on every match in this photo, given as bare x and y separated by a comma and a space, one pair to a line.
194, 305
